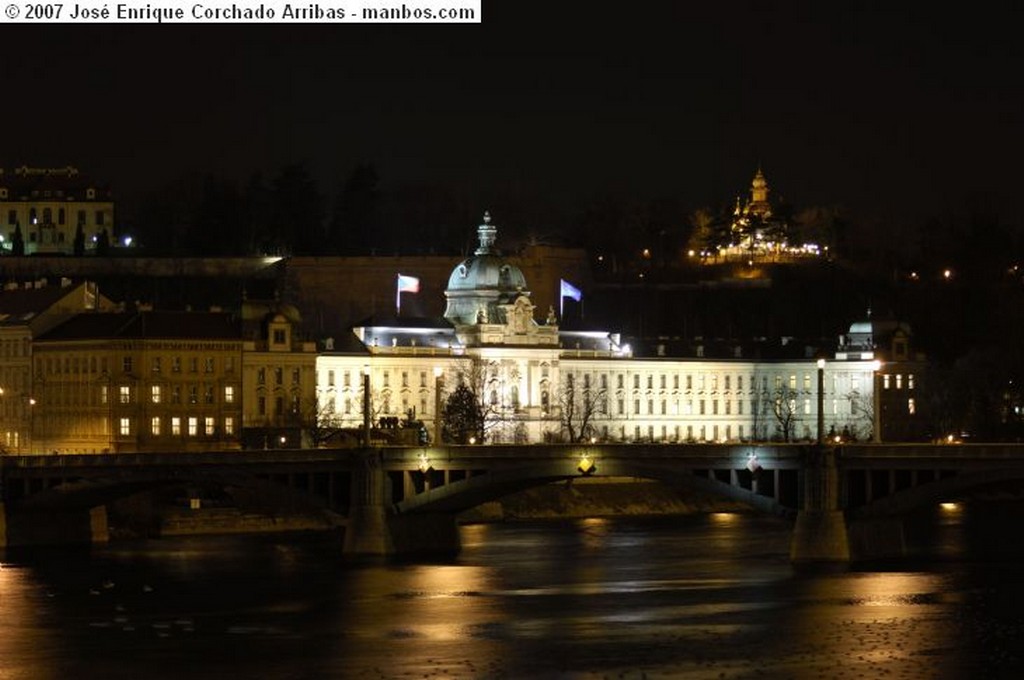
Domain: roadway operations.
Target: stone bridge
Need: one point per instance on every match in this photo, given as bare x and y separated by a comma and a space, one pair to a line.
844, 502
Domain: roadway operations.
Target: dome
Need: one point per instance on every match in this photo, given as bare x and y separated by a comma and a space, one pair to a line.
482, 282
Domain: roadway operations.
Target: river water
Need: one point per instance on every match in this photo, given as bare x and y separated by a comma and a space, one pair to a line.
696, 597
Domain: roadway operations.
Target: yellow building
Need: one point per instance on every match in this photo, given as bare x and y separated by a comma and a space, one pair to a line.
278, 377
48, 205
141, 381
28, 310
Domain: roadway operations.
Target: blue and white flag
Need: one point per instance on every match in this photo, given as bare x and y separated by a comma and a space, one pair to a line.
568, 291
571, 291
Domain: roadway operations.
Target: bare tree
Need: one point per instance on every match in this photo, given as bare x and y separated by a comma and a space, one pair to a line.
862, 415
784, 408
580, 404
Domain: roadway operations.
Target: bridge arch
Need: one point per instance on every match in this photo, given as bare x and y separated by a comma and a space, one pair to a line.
937, 491
464, 494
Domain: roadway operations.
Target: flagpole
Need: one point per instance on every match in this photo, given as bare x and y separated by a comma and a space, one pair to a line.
398, 296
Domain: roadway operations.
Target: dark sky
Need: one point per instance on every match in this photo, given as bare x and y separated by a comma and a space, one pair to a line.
885, 110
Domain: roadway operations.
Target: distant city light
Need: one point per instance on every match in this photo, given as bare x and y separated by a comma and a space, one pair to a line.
127, 241
647, 253
914, 276
947, 273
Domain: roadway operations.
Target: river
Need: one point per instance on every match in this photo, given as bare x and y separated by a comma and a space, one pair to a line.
710, 596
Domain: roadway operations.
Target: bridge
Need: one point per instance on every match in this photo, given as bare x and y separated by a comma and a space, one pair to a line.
844, 502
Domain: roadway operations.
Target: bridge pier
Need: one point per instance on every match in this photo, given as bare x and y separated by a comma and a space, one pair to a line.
820, 533
367, 532
53, 527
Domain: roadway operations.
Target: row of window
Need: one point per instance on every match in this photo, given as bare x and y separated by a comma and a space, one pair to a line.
889, 380
157, 393
78, 365
278, 376
173, 426
47, 217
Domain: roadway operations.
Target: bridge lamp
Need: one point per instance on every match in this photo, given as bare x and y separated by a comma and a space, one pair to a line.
424, 463
753, 464
587, 466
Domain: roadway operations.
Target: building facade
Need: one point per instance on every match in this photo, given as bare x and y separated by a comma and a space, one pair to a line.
46, 207
535, 382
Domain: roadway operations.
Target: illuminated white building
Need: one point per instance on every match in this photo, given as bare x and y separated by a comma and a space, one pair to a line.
539, 383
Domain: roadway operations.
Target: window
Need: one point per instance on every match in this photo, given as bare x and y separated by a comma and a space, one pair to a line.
229, 394
103, 394
193, 364
807, 381
792, 382
176, 426
296, 376
296, 405
330, 378
208, 365
911, 406
125, 394
662, 381
193, 394
193, 426
423, 378
126, 364
405, 378
176, 365
910, 381
885, 381
622, 406
739, 385
279, 405
154, 426
155, 364
279, 336
618, 381
176, 394
689, 382
125, 427
208, 394
154, 392
261, 376
387, 379
899, 381
650, 382
278, 376
702, 407
261, 405
229, 425
208, 426
636, 382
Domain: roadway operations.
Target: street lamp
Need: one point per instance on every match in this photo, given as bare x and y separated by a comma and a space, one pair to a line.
821, 401
366, 404
438, 388
876, 399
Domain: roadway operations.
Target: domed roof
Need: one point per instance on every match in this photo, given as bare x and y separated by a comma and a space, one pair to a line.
483, 281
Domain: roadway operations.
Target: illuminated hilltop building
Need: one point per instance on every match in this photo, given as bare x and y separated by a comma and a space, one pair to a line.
46, 207
758, 231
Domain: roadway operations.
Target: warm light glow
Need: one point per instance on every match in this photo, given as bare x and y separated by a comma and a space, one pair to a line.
586, 465
950, 507
424, 463
438, 371
821, 363
723, 517
947, 273
472, 440
876, 365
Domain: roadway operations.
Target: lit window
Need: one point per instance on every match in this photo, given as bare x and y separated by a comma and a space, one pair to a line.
229, 394
885, 381
154, 426
125, 394
176, 426
208, 426
229, 425
193, 426
899, 381
910, 381
792, 382
103, 394
125, 427
155, 392
911, 406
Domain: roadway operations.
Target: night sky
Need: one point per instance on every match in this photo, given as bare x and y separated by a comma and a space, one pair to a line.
893, 113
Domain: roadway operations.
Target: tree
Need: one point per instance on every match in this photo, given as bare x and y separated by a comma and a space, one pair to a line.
79, 245
784, 408
17, 241
297, 211
355, 223
462, 419
580, 404
103, 244
862, 415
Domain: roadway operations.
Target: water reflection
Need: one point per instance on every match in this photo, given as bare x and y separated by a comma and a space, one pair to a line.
700, 597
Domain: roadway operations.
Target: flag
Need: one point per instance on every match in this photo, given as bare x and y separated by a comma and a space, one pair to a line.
570, 291
408, 284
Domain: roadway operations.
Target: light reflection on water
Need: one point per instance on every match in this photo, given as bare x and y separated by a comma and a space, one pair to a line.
704, 597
